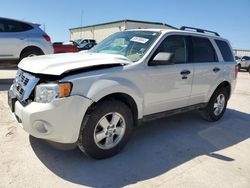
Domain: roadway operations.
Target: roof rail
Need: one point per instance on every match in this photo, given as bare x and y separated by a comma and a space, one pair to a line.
199, 30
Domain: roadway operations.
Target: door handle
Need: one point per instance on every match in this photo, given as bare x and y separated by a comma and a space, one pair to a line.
216, 69
21, 38
185, 72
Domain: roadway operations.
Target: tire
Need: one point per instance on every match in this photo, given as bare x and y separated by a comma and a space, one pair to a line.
100, 138
248, 69
30, 53
211, 112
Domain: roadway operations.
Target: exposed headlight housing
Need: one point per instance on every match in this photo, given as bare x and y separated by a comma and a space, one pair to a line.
45, 93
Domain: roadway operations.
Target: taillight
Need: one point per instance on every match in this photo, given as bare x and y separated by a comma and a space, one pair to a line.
236, 70
47, 38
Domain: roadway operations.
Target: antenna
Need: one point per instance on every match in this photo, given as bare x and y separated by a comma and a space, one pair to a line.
81, 24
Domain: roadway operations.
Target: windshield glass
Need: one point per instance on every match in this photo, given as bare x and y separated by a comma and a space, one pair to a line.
131, 44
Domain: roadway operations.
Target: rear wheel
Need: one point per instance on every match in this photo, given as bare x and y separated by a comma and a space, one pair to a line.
31, 53
106, 130
216, 106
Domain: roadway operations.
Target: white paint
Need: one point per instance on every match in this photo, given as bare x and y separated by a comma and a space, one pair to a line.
57, 64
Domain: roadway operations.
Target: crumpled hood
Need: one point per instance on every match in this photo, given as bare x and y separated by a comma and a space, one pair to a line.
57, 64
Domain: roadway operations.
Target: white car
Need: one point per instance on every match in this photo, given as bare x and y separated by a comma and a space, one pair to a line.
20, 39
95, 99
244, 63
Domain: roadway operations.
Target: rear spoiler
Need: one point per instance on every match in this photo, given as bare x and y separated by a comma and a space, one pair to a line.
35, 24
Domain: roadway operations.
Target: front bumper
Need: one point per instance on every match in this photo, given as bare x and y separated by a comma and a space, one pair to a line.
58, 121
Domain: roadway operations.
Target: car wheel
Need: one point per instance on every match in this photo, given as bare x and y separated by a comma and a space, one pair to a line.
106, 130
216, 105
31, 53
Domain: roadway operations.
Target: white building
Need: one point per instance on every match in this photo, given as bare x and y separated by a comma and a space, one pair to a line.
241, 52
101, 31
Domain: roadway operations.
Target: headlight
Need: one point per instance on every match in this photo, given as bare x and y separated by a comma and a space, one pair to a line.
45, 93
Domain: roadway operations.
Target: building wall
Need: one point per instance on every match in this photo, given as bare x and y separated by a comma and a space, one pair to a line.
241, 53
102, 31
97, 32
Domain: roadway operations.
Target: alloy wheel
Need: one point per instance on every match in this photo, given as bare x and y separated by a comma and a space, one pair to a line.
219, 104
110, 130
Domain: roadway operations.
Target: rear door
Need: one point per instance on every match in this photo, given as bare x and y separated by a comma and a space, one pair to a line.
207, 69
4, 48
13, 38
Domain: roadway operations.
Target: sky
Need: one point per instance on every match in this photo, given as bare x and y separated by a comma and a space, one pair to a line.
230, 18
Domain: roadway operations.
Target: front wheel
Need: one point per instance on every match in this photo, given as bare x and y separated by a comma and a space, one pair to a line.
106, 130
216, 106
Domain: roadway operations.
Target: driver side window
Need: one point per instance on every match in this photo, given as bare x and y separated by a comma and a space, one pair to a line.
177, 45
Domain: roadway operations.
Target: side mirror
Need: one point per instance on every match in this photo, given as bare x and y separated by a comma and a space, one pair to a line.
162, 58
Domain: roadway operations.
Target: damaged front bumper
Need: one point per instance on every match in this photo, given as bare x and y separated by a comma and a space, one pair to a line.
58, 121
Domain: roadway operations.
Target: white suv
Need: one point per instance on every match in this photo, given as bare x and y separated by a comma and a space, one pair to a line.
95, 99
20, 39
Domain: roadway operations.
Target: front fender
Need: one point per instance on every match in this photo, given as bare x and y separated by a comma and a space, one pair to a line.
104, 87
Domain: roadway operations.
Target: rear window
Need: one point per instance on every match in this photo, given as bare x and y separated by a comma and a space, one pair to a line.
13, 26
225, 50
203, 50
246, 58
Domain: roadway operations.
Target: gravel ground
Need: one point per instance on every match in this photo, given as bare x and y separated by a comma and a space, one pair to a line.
179, 151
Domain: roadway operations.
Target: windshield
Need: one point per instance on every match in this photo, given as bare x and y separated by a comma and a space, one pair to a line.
131, 44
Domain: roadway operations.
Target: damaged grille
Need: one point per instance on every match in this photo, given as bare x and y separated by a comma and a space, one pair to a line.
24, 84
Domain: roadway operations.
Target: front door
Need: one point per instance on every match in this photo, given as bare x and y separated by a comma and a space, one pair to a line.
169, 86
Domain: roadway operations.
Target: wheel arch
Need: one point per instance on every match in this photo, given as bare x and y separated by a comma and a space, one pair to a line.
123, 97
224, 84
30, 48
119, 88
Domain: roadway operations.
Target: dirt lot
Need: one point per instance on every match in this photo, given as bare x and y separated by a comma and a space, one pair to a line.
179, 151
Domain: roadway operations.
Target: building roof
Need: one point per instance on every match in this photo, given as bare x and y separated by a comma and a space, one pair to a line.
119, 21
245, 50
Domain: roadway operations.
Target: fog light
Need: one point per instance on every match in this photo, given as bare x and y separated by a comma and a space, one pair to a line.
41, 127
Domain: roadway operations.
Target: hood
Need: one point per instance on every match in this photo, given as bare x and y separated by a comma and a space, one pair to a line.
58, 64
